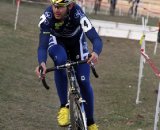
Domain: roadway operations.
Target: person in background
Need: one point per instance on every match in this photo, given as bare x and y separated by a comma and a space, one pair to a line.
134, 7
113, 4
158, 37
63, 27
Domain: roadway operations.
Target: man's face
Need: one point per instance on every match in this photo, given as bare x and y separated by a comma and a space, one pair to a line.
59, 12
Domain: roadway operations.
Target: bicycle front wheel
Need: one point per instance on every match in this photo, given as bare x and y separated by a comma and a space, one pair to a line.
77, 116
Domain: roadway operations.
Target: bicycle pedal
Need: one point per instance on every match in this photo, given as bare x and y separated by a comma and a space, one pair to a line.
81, 100
67, 105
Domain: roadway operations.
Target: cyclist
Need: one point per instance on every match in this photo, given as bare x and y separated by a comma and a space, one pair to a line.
63, 27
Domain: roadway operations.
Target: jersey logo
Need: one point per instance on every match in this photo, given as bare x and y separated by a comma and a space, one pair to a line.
78, 14
58, 25
86, 24
48, 14
44, 20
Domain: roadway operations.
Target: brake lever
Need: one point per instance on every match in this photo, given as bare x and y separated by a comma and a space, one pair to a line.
42, 77
94, 70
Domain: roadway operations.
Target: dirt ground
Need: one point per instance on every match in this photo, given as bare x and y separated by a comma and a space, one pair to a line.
26, 105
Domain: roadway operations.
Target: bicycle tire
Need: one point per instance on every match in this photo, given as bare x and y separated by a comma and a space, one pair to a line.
76, 116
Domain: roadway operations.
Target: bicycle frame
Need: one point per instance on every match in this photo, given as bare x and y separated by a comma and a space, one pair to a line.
74, 96
75, 92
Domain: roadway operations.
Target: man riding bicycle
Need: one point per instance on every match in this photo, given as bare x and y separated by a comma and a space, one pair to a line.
63, 27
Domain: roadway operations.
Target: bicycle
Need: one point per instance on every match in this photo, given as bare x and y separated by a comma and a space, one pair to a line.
75, 101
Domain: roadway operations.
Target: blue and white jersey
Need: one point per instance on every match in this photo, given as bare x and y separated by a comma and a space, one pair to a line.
75, 24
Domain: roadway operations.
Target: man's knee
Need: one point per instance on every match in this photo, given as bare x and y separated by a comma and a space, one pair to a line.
58, 55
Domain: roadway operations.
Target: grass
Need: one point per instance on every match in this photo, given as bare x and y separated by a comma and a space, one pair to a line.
26, 105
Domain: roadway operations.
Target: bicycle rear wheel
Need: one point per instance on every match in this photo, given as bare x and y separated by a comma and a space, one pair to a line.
77, 117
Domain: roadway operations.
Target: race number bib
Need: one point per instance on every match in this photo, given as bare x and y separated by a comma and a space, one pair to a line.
86, 24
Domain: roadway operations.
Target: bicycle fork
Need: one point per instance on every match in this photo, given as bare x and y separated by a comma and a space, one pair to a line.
83, 112
81, 102
74, 89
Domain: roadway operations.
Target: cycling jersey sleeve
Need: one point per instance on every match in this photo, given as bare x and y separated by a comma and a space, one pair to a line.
91, 33
44, 36
43, 46
95, 40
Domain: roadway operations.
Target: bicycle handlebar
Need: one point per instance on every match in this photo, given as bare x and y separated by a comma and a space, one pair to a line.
43, 78
64, 66
94, 70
